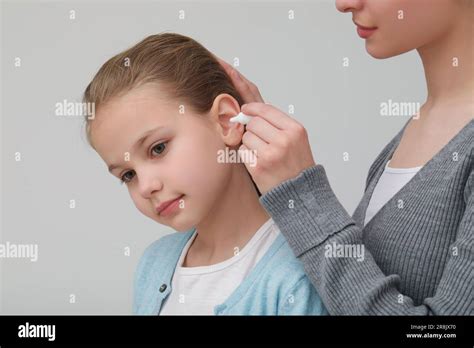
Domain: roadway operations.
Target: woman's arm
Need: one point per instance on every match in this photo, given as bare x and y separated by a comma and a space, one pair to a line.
346, 285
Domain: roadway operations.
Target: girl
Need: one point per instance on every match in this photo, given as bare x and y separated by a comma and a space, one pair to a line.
416, 218
162, 120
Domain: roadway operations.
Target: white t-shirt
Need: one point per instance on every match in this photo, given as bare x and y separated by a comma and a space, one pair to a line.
390, 182
197, 290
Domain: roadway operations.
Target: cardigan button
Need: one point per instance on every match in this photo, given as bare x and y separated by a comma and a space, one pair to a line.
163, 287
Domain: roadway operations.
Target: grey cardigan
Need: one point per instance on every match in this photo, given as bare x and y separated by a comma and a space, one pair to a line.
418, 249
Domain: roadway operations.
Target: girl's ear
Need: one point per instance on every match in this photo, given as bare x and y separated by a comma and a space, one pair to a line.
223, 109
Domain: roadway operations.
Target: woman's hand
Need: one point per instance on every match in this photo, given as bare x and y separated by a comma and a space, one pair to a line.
279, 142
247, 90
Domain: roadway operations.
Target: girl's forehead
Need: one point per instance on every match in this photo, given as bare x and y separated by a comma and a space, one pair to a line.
139, 100
141, 105
118, 123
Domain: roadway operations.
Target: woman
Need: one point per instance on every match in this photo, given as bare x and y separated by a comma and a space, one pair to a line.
415, 221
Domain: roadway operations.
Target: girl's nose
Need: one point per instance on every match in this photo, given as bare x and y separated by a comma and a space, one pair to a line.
149, 183
349, 5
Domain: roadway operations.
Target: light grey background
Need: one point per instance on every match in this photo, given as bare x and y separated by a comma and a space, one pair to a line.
81, 250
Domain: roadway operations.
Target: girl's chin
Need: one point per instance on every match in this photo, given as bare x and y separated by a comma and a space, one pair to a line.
180, 225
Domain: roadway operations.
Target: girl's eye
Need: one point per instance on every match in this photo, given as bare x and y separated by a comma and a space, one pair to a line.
127, 176
155, 150
158, 148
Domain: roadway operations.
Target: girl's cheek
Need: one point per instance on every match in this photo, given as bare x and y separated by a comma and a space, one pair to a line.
136, 199
189, 155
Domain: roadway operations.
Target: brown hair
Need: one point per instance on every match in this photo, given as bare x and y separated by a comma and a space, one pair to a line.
188, 70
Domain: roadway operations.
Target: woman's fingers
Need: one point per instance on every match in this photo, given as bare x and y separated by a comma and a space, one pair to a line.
247, 89
227, 67
263, 129
270, 114
256, 96
280, 143
254, 142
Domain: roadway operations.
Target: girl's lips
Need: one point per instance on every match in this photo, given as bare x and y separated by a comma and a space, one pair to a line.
168, 207
365, 32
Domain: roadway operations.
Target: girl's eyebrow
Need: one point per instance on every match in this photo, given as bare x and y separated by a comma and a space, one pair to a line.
140, 141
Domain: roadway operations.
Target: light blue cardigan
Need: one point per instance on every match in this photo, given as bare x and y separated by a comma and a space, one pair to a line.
277, 285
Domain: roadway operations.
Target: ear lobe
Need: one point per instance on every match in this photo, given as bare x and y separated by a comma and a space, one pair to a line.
224, 108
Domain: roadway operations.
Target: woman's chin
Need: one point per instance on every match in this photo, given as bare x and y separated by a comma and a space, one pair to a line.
383, 52
377, 52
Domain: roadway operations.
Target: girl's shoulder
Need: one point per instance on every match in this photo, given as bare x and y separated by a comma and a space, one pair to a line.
277, 285
164, 252
279, 268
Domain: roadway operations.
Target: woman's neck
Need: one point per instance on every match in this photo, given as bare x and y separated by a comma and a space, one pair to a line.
448, 64
232, 222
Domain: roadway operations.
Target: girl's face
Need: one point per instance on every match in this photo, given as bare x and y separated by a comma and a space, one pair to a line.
393, 27
163, 154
